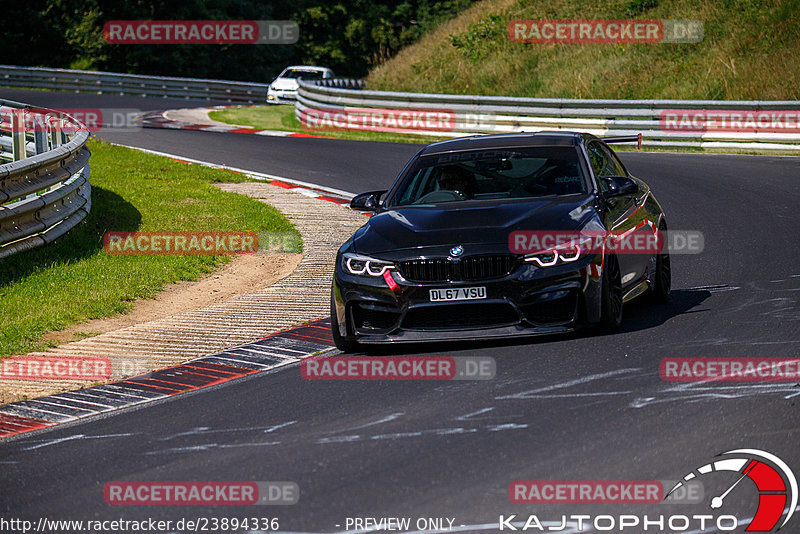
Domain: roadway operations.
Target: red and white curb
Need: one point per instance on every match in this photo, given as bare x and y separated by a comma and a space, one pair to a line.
330, 194
158, 119
265, 354
268, 353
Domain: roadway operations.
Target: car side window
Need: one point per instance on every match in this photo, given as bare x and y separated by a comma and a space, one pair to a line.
601, 163
614, 162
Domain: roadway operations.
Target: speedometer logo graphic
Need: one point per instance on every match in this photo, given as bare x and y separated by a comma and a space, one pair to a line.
776, 485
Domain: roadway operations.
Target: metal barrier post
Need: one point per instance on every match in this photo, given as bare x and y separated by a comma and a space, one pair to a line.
18, 134
55, 133
40, 138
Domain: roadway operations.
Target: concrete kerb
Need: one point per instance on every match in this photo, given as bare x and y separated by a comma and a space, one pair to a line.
198, 119
213, 344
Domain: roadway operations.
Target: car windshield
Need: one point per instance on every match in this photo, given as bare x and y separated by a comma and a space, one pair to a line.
492, 174
305, 74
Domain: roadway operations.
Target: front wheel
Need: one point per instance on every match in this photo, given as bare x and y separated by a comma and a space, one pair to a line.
663, 279
342, 343
611, 309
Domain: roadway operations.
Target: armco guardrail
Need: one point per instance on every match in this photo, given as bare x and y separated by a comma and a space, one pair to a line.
44, 177
457, 115
341, 83
84, 81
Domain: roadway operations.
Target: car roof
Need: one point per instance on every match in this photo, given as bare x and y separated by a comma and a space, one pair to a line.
305, 67
511, 140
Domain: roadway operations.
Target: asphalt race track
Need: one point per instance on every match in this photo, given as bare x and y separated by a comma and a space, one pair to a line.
580, 407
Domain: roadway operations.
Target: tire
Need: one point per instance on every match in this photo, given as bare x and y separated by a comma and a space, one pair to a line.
344, 344
663, 280
611, 306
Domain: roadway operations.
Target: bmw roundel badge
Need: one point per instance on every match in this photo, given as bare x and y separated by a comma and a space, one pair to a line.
457, 251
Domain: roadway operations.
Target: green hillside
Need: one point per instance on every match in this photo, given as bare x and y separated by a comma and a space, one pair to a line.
750, 51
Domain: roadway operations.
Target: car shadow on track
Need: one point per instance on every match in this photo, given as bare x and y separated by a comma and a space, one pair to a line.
641, 315
638, 315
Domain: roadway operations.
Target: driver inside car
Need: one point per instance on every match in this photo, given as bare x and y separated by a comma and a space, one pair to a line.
458, 179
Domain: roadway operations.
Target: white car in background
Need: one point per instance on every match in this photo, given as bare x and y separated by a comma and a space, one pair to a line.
283, 89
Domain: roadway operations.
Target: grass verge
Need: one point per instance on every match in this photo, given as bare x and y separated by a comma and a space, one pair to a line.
282, 117
749, 52
74, 280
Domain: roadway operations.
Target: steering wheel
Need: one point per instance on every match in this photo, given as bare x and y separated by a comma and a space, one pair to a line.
443, 195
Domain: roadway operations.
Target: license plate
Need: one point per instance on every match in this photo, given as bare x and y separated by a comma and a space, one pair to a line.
459, 293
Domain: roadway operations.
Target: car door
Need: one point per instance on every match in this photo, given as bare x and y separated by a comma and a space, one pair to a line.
620, 214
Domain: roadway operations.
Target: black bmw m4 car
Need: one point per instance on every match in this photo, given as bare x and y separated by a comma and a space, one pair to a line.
470, 243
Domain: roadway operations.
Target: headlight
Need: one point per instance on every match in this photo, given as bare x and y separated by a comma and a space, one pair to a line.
566, 253
364, 265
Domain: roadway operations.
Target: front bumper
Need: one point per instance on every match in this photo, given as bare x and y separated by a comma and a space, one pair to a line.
411, 336
529, 301
281, 97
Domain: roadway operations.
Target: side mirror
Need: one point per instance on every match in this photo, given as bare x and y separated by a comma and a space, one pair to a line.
369, 201
619, 186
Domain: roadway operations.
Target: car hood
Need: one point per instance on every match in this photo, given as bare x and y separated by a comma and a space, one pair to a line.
483, 223
284, 84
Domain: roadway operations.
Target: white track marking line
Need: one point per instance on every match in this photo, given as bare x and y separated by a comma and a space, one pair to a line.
252, 174
569, 383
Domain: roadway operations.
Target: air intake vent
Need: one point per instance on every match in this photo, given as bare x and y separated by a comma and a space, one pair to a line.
428, 270
484, 267
471, 268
